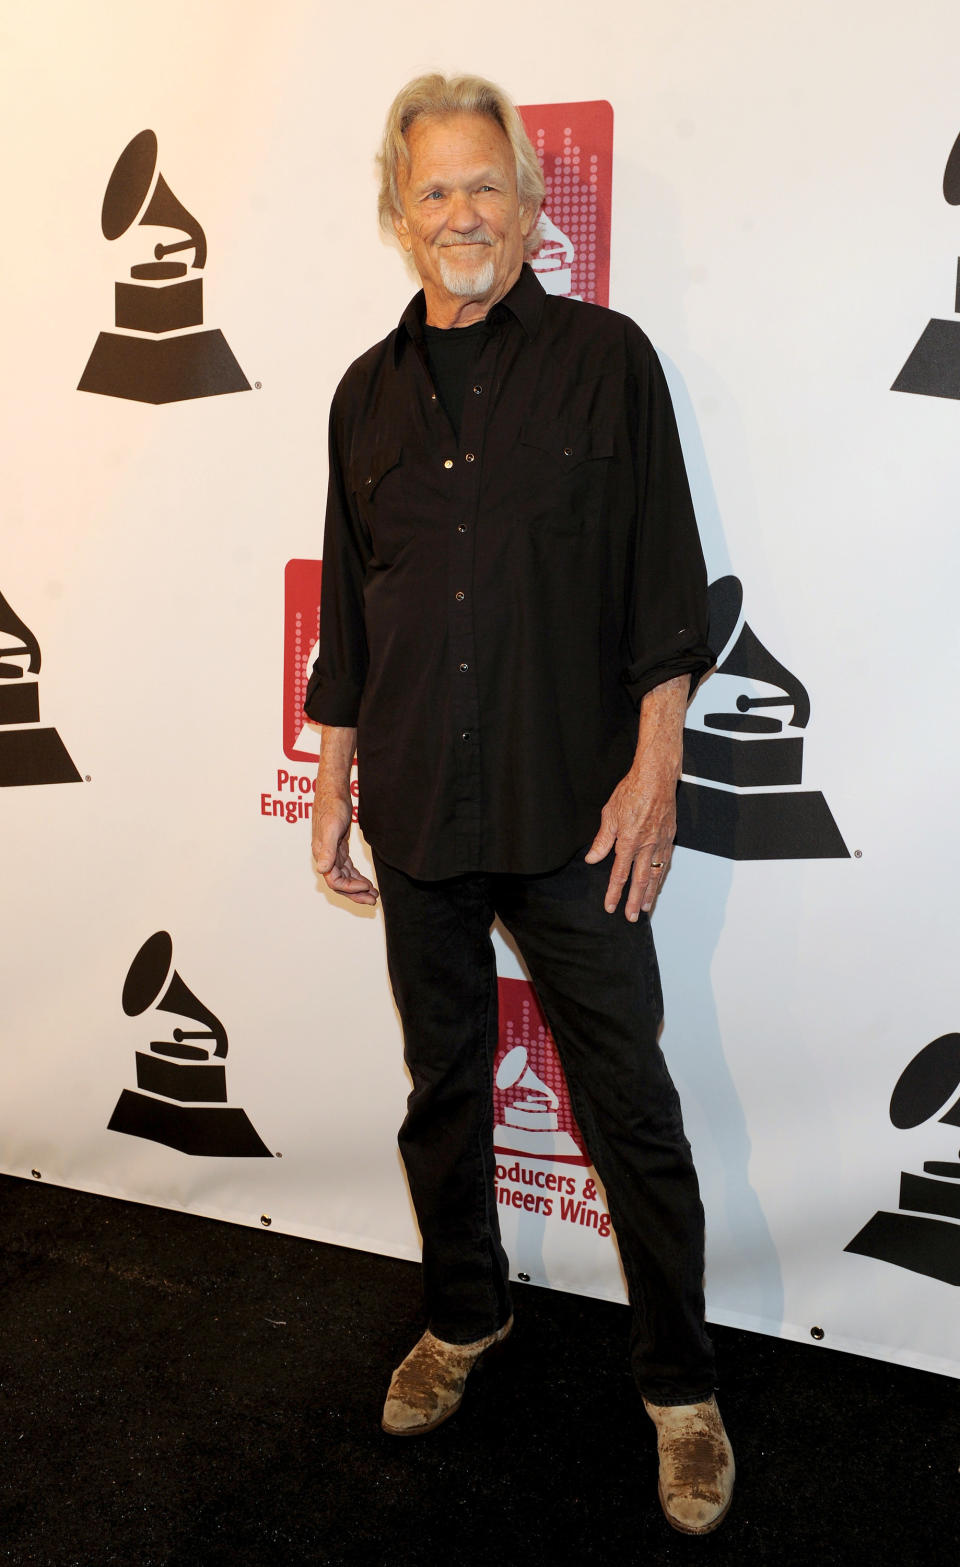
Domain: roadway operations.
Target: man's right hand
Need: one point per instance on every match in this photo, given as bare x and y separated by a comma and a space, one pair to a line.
332, 815
331, 856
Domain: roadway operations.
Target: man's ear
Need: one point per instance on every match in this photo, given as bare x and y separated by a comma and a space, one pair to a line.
528, 219
401, 230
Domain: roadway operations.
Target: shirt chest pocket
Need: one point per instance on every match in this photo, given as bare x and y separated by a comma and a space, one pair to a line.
561, 475
377, 481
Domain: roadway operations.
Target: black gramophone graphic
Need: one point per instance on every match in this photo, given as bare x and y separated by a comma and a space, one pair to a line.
912, 1238
181, 1097
174, 361
933, 368
754, 749
29, 754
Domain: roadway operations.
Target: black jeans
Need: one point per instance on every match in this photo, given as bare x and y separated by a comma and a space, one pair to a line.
597, 981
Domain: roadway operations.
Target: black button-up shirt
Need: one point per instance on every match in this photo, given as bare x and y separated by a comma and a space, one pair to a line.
494, 609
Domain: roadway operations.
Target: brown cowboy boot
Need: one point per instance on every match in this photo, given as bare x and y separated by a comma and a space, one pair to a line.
696, 1465
427, 1387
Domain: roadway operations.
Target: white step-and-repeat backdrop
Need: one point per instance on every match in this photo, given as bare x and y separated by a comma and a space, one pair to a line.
192, 261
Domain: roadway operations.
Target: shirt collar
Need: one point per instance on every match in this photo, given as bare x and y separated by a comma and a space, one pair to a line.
524, 301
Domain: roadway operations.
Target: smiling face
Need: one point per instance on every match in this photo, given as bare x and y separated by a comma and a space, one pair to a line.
461, 220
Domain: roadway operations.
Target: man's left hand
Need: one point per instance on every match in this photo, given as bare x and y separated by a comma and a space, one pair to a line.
640, 817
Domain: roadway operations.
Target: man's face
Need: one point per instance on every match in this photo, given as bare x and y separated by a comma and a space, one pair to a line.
461, 221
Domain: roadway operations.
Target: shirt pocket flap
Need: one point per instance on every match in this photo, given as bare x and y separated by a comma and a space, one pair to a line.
568, 447
370, 466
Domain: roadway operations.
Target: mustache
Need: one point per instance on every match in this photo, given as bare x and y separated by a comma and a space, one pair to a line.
477, 237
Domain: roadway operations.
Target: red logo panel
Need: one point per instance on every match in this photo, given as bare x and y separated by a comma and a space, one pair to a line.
301, 629
574, 143
531, 1106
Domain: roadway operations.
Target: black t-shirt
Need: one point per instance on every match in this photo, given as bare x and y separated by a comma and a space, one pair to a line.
452, 354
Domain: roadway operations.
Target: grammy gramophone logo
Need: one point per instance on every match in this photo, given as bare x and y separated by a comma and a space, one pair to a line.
933, 368
29, 752
159, 354
532, 1107
181, 1094
741, 795
923, 1235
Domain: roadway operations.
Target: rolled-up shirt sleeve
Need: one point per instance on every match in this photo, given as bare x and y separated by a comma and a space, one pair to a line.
667, 619
340, 669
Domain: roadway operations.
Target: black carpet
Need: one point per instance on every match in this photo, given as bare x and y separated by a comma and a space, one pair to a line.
182, 1393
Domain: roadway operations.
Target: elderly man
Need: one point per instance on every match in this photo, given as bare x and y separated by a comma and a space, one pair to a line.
513, 618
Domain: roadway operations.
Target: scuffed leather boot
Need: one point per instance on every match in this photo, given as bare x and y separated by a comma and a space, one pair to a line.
696, 1465
427, 1387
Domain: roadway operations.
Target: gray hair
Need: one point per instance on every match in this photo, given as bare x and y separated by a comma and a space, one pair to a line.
439, 96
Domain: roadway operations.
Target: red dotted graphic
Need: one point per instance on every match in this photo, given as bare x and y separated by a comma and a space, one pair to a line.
574, 144
301, 629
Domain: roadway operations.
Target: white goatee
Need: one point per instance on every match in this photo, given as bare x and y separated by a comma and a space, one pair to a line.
465, 278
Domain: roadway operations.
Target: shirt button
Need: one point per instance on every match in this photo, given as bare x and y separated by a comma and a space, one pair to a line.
461, 527
448, 462
469, 457
477, 390
464, 668
568, 451
464, 734
459, 597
